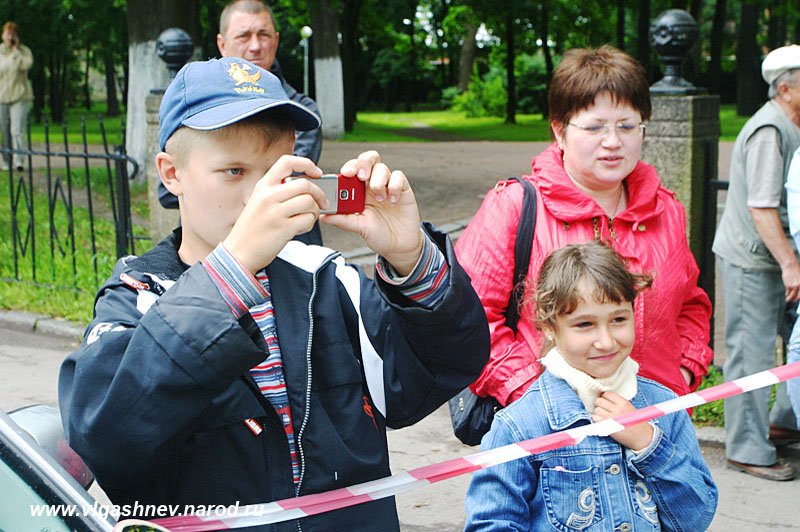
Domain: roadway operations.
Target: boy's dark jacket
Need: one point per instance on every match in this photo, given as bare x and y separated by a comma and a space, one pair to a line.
156, 398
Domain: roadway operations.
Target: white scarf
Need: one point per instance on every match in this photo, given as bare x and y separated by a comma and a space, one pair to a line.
588, 388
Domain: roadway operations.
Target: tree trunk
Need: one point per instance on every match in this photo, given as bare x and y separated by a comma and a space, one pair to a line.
621, 24
467, 56
748, 68
146, 20
511, 88
87, 93
328, 67
776, 25
350, 50
643, 36
692, 65
56, 95
715, 48
544, 32
112, 103
39, 84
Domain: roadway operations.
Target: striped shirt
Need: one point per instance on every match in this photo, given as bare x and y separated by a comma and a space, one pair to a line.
243, 293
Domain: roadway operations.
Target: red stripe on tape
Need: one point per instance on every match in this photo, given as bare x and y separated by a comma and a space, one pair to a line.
191, 523
315, 509
444, 470
316, 498
547, 442
789, 371
639, 416
720, 391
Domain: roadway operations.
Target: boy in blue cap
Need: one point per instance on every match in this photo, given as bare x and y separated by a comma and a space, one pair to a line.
232, 365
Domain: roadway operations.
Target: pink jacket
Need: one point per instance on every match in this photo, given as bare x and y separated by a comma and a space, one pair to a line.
671, 318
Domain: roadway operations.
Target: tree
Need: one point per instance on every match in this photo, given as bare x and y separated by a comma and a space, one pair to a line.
748, 72
643, 35
460, 24
146, 20
328, 66
715, 48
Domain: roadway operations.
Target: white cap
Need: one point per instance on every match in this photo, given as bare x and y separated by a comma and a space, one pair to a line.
779, 61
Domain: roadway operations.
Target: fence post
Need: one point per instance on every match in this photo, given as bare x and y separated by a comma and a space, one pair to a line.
123, 225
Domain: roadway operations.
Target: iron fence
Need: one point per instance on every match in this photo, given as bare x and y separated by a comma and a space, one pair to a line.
61, 195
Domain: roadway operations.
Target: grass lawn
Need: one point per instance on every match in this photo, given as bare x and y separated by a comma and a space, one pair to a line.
74, 132
376, 126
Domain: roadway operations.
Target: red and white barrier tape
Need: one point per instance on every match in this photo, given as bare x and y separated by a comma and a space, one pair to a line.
284, 510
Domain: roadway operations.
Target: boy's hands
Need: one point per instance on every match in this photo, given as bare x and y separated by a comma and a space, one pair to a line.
276, 211
390, 221
611, 404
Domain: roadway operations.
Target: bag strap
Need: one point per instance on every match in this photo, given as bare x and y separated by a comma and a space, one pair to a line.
522, 251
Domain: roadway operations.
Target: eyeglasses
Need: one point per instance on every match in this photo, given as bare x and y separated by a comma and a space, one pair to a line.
624, 129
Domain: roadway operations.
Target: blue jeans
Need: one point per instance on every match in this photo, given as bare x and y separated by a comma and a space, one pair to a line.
793, 355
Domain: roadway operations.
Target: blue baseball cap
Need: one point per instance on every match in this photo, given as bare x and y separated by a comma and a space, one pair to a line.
212, 94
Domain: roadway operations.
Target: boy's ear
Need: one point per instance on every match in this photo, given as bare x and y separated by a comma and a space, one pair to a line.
167, 171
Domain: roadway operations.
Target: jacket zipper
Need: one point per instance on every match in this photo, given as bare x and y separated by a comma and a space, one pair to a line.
596, 225
309, 341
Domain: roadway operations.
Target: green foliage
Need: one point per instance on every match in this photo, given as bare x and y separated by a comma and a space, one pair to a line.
531, 72
448, 95
710, 414
484, 97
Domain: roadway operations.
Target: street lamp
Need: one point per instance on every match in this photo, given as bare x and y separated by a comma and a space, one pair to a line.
305, 33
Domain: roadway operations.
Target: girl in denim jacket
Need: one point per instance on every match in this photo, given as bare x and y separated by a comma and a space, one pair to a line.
648, 477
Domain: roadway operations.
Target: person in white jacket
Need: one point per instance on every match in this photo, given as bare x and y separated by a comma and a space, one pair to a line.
16, 93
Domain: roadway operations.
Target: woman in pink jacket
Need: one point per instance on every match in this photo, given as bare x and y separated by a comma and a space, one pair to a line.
591, 184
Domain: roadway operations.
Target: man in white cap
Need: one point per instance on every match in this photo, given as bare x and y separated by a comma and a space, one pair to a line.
760, 269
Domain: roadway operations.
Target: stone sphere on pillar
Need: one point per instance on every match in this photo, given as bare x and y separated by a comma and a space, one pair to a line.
174, 47
673, 34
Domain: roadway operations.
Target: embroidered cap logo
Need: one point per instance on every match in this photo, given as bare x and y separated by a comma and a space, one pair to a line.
240, 73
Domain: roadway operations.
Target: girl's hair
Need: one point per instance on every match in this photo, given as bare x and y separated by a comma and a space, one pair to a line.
563, 271
584, 73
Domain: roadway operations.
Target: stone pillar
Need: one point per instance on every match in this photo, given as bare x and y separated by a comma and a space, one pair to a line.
174, 47
162, 221
682, 142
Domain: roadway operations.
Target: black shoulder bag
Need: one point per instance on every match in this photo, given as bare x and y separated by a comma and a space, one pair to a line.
471, 414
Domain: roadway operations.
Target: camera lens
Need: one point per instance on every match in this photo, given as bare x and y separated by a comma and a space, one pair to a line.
344, 195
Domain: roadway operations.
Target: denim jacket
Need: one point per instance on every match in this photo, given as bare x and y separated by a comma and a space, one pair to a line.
597, 485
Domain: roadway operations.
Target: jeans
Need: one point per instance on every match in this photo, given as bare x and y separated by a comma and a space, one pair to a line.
13, 118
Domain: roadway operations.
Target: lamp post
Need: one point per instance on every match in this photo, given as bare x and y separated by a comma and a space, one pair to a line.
305, 33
